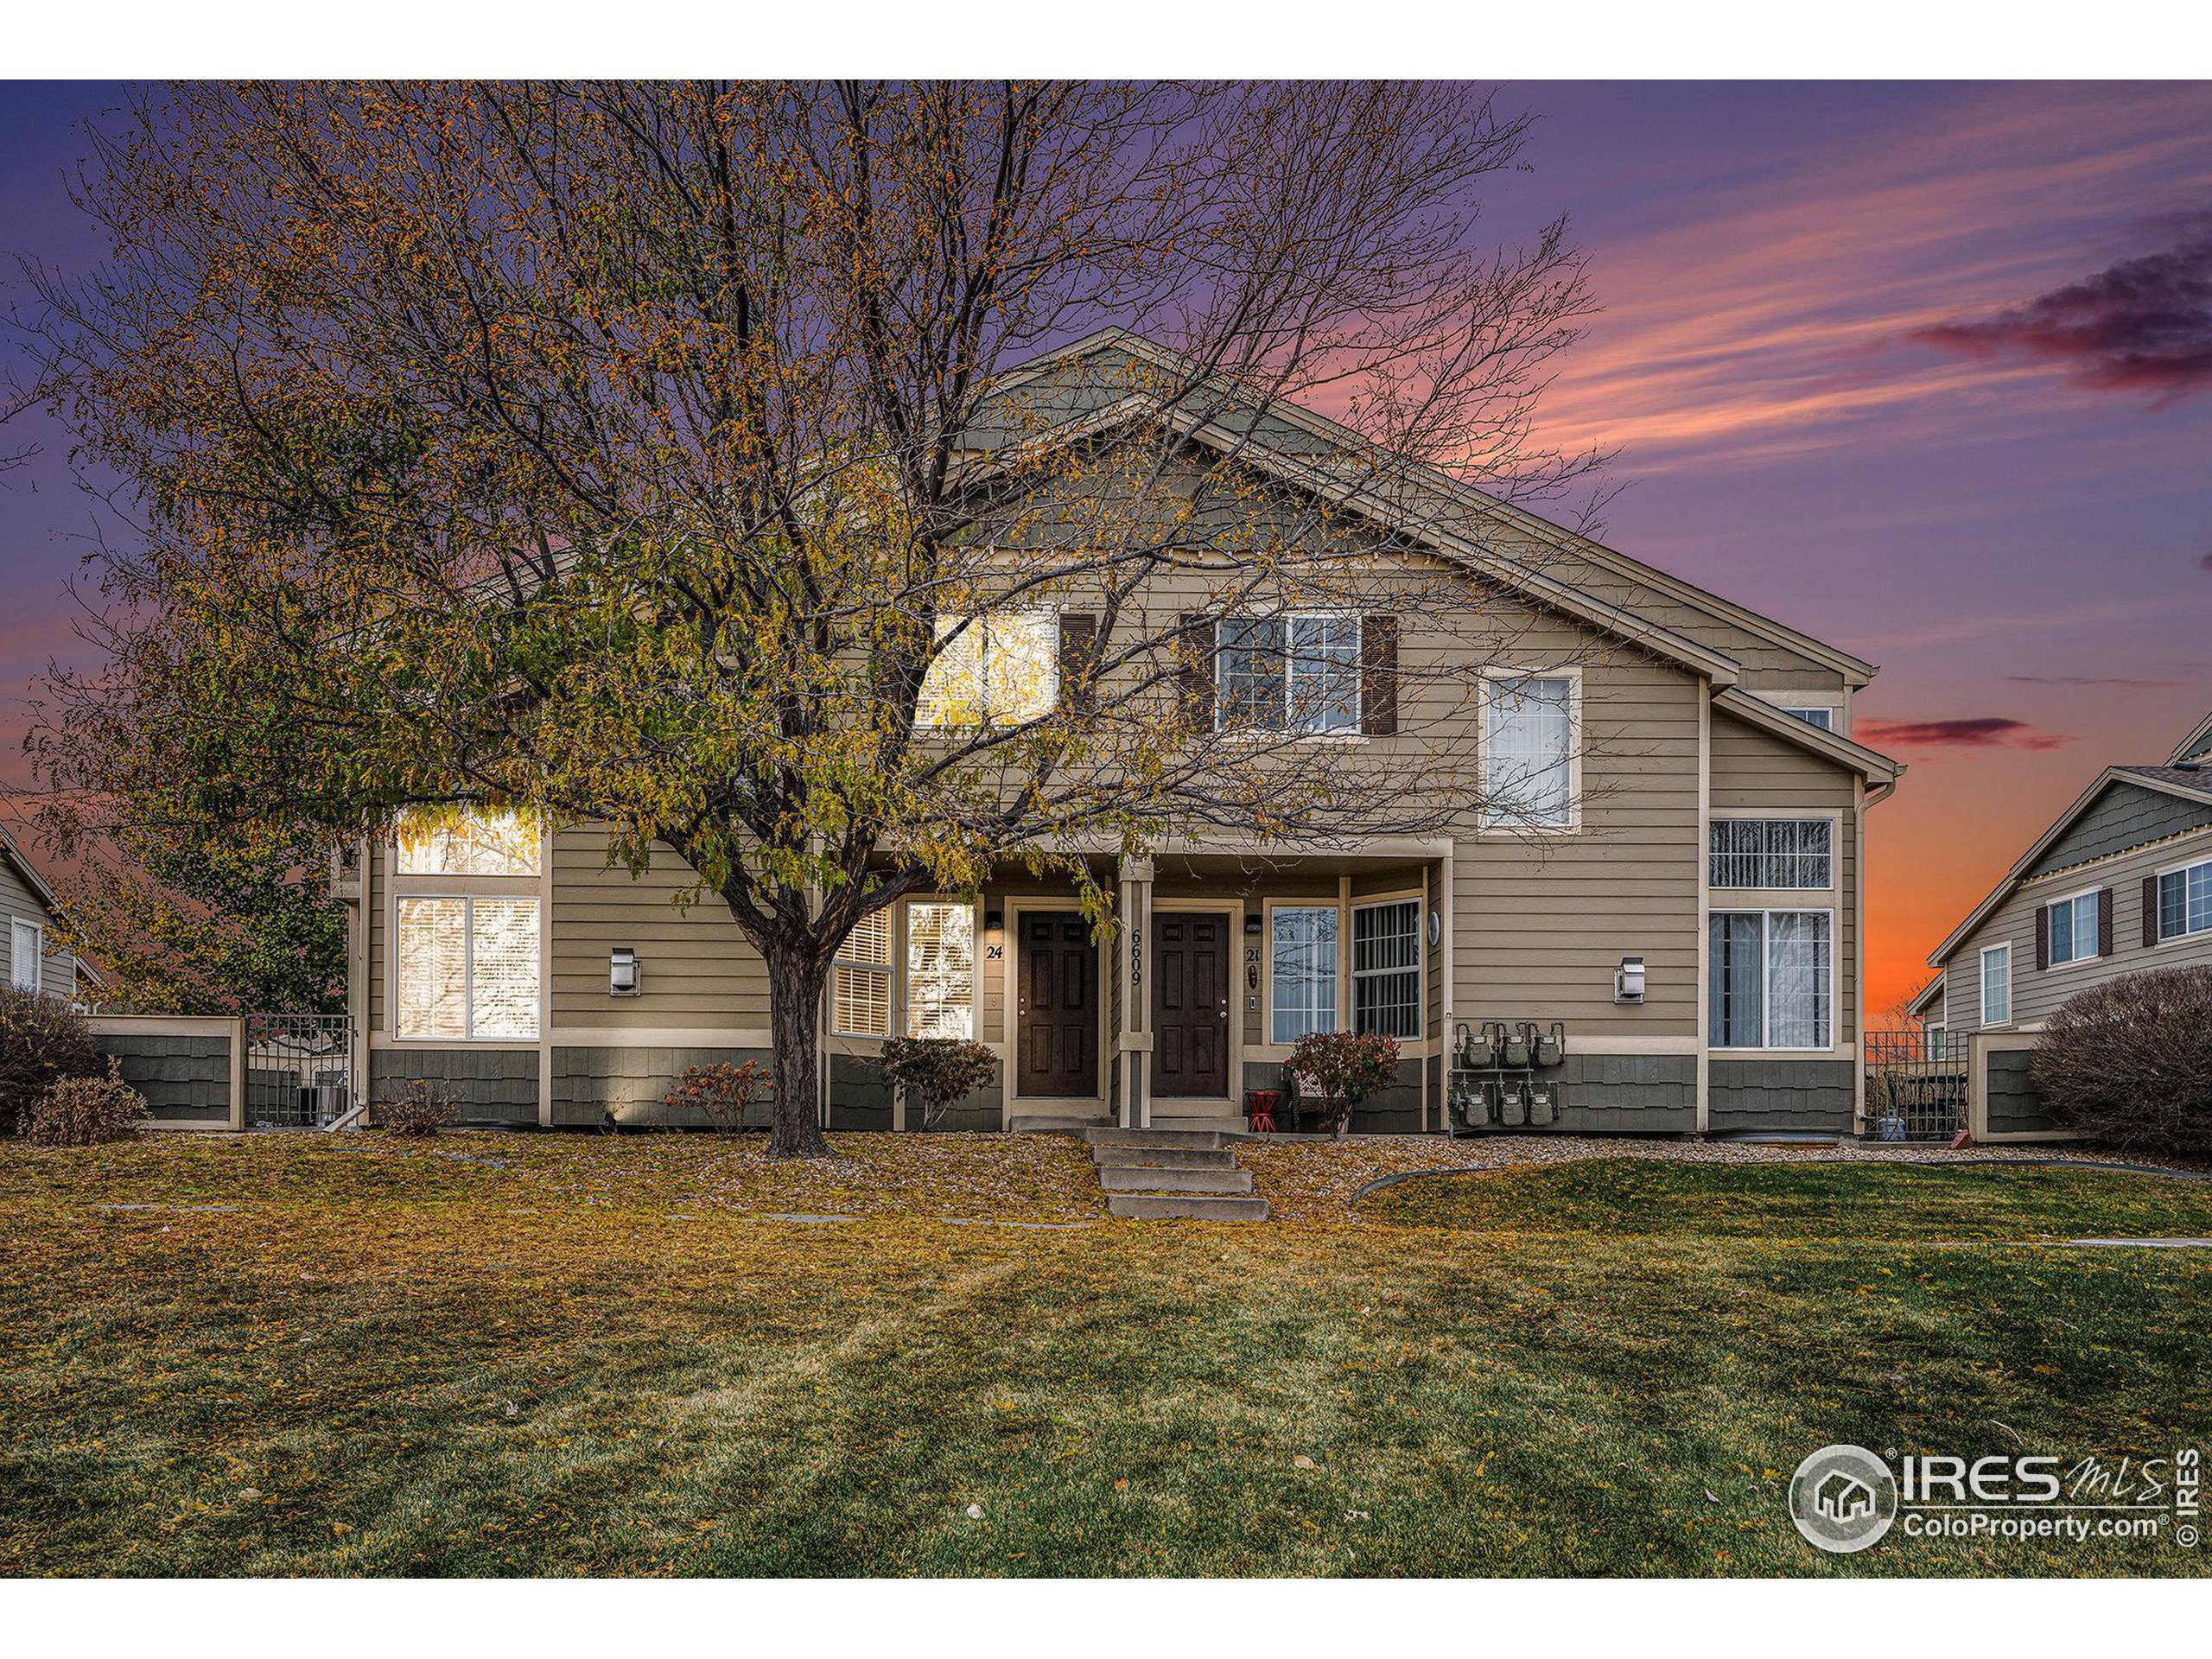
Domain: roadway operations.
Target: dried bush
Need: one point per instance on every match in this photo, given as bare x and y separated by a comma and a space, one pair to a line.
1342, 1068
42, 1040
422, 1108
2129, 1062
87, 1111
932, 1072
724, 1093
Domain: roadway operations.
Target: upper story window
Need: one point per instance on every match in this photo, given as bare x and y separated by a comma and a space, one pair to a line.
1001, 668
1528, 752
1996, 985
1823, 718
466, 968
482, 843
1386, 967
859, 1000
1301, 971
1771, 853
26, 953
2185, 902
2072, 929
1295, 673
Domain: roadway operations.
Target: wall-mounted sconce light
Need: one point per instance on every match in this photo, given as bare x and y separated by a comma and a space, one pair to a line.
622, 976
1252, 922
1627, 980
994, 921
1435, 926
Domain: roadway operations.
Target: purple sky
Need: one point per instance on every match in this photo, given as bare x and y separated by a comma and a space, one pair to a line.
1924, 370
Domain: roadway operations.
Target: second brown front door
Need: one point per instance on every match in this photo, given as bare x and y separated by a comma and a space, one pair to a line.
1056, 1015
1189, 1004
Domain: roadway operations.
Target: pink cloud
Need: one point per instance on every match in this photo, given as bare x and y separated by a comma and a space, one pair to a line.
1980, 732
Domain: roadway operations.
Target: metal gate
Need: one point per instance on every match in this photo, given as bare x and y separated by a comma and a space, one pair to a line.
1916, 1088
299, 1069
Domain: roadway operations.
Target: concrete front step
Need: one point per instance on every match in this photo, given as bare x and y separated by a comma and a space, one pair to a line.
1186, 1207
1202, 1140
1051, 1124
1163, 1158
1175, 1180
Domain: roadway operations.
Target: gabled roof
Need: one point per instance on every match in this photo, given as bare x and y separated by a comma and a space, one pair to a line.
1927, 993
1442, 490
1870, 764
2197, 742
2171, 780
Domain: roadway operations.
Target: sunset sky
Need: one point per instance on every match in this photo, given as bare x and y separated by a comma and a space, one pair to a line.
1924, 370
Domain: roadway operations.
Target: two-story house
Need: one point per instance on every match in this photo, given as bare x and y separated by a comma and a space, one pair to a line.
1680, 891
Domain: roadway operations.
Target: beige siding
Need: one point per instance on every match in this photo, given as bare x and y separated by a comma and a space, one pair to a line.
2036, 995
1756, 772
697, 970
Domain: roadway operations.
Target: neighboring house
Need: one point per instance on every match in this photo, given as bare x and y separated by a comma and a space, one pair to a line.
2121, 883
1707, 821
29, 910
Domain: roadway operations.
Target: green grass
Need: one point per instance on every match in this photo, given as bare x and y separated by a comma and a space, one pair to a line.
382, 1362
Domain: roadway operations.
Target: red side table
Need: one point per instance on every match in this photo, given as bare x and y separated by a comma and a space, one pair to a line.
1260, 1109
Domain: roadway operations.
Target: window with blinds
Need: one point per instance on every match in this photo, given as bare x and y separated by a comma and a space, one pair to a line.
861, 979
1386, 968
467, 969
1000, 669
940, 970
1774, 853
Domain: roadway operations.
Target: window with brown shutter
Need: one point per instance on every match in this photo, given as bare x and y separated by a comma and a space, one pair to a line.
1194, 646
2149, 913
2043, 937
1378, 676
2104, 921
1078, 638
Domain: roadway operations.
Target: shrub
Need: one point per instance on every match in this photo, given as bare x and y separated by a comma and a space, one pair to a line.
2129, 1061
724, 1093
42, 1040
1343, 1068
87, 1111
931, 1073
422, 1108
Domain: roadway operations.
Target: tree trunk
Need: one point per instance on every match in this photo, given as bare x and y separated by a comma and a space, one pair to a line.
796, 980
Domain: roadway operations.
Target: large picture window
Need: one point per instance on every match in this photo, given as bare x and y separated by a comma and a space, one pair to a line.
1386, 968
940, 970
467, 968
1528, 752
1302, 971
1772, 979
860, 999
997, 670
1295, 673
2185, 902
1772, 853
483, 843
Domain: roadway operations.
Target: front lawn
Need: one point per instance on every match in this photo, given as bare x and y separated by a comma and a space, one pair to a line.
503, 1355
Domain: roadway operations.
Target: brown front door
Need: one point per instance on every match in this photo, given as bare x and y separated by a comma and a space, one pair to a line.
1189, 1004
1057, 1016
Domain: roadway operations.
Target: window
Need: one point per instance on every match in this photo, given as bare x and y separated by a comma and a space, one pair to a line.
860, 1000
482, 843
1528, 752
1001, 668
2072, 929
1772, 853
940, 970
2185, 902
1936, 1041
1386, 967
1823, 718
1996, 985
27, 949
467, 968
1772, 979
1302, 971
1296, 673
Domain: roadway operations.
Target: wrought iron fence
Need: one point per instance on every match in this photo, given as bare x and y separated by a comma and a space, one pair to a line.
299, 1069
1915, 1085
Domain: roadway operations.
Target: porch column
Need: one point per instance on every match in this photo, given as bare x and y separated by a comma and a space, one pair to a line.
1133, 1040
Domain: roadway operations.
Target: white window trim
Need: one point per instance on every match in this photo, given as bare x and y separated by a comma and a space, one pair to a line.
1050, 614
1982, 1004
1759, 895
1836, 1044
2159, 876
1340, 989
1352, 975
490, 890
1485, 829
2052, 963
901, 945
37, 930
1832, 703
1356, 734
